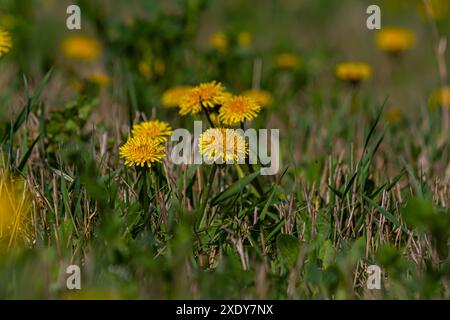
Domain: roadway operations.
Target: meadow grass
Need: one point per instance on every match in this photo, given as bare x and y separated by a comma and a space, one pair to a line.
361, 183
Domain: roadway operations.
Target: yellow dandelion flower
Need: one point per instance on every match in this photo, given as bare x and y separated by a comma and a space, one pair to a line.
394, 39
153, 129
237, 109
5, 42
172, 98
205, 95
353, 72
244, 39
261, 97
144, 69
222, 145
287, 61
81, 47
219, 41
15, 210
100, 78
440, 98
159, 66
394, 115
141, 151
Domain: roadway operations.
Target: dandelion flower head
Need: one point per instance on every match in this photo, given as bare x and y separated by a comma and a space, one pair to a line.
238, 109
440, 98
261, 97
219, 41
223, 145
172, 98
5, 42
394, 39
205, 95
287, 61
153, 129
353, 72
81, 48
142, 151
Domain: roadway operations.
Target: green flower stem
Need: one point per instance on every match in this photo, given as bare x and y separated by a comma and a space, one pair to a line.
144, 191
211, 123
203, 207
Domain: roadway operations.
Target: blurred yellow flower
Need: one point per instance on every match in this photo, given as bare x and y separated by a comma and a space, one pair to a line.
15, 209
219, 41
440, 98
394, 39
244, 39
237, 109
5, 42
172, 98
288, 61
144, 69
100, 78
205, 95
153, 129
353, 72
159, 66
142, 151
81, 47
261, 97
220, 144
394, 115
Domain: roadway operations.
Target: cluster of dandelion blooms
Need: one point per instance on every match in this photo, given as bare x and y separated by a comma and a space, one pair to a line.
146, 147
5, 42
222, 144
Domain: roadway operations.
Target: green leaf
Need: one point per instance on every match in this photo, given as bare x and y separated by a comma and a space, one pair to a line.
349, 184
235, 188
288, 248
267, 205
389, 216
326, 253
24, 160
419, 213
23, 115
374, 125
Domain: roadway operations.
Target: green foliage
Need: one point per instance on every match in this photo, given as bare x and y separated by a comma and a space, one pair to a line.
353, 189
